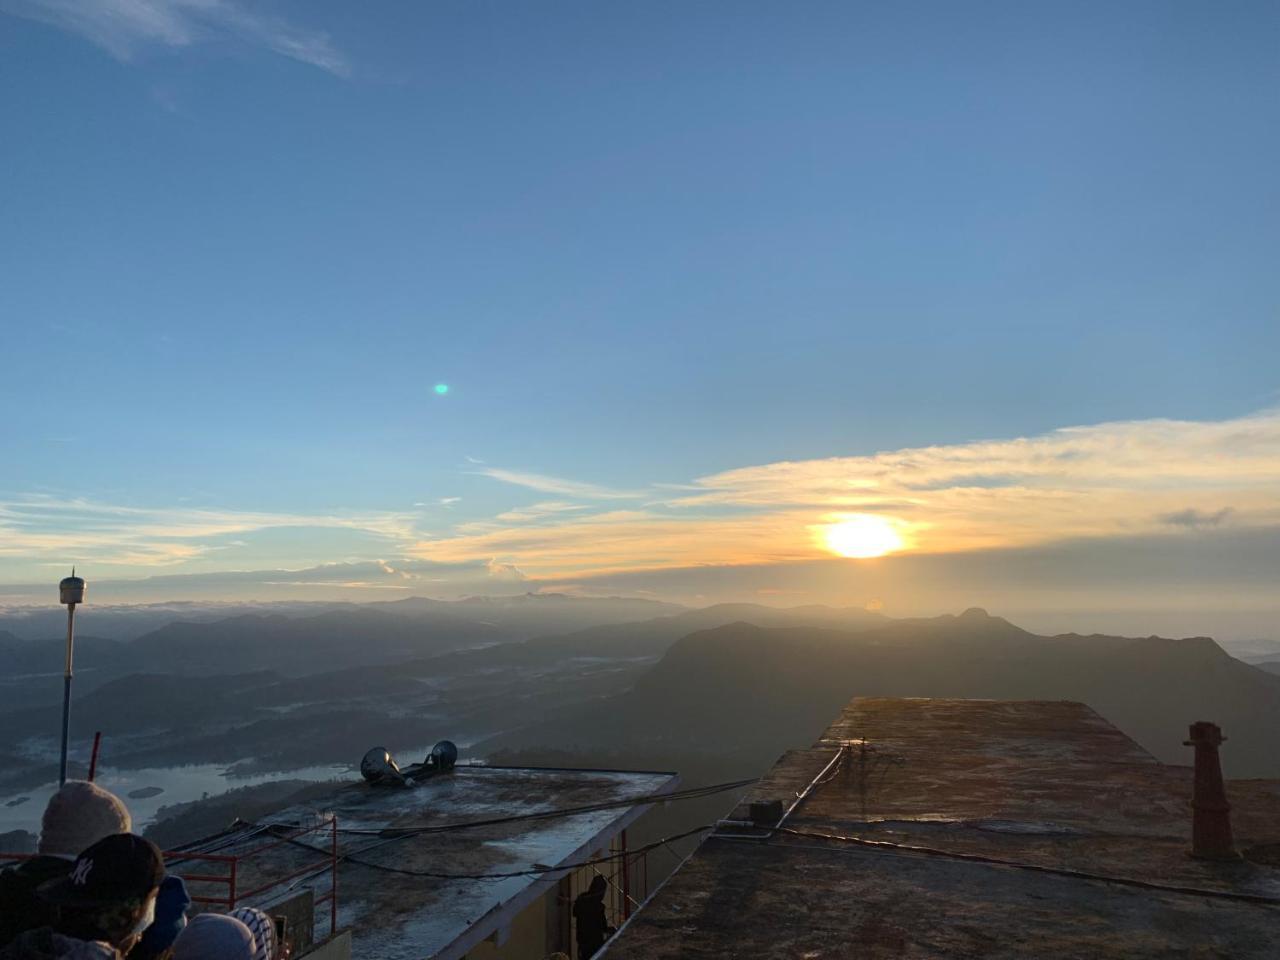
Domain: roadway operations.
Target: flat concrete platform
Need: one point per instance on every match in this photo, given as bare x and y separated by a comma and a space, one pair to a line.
408, 889
1048, 785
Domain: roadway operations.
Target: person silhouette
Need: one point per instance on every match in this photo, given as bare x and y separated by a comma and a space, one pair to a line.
588, 912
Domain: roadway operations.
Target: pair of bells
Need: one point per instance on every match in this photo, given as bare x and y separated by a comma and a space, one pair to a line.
378, 766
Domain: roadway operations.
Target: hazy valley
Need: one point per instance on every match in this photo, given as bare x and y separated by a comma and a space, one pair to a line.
714, 692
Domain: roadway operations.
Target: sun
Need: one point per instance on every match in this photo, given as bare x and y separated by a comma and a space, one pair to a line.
862, 535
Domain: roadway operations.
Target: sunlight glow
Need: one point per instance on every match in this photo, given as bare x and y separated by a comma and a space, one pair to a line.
862, 535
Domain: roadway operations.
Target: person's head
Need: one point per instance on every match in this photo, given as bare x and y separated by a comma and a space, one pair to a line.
78, 816
263, 929
598, 886
110, 892
171, 916
214, 936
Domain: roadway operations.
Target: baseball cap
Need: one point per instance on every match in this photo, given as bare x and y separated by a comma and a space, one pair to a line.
117, 868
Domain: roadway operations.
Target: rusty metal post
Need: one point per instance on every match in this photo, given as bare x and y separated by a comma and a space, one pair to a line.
333, 885
1211, 820
93, 758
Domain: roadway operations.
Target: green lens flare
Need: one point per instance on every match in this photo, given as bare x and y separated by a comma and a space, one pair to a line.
442, 388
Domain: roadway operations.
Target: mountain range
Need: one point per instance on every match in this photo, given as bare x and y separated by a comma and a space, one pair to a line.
714, 692
525, 614
751, 691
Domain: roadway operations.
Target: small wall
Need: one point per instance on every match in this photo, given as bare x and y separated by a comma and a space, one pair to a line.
337, 948
526, 939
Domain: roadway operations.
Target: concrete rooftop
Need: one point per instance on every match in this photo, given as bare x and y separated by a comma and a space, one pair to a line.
1043, 784
401, 917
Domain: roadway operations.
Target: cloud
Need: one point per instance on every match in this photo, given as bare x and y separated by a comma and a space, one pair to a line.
1108, 480
1101, 480
58, 529
123, 27
1147, 454
344, 580
538, 511
1219, 583
1196, 518
504, 571
1174, 482
568, 488
626, 540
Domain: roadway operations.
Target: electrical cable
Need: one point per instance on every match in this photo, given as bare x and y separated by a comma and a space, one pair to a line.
674, 852
692, 793
893, 847
238, 832
536, 870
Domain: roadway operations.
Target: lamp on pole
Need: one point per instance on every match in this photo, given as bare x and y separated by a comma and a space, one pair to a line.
70, 592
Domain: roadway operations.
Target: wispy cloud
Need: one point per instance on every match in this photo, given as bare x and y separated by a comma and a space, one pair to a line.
1196, 518
539, 511
626, 540
558, 485
124, 27
46, 528
1121, 479
348, 580
1104, 482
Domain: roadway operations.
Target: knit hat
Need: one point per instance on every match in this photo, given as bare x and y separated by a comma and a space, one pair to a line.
214, 936
263, 929
78, 816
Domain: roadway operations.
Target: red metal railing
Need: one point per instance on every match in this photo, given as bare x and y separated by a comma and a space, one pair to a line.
235, 896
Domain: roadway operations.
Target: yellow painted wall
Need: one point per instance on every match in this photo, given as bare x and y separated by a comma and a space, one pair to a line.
527, 941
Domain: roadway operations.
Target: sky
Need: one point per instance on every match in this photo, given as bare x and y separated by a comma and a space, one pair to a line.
703, 281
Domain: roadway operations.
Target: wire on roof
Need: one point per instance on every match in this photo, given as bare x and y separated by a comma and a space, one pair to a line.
890, 846
692, 793
536, 870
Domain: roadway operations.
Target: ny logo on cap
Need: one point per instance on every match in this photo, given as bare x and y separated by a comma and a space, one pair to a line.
80, 874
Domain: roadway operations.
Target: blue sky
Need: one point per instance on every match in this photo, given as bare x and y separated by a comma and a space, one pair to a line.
644, 244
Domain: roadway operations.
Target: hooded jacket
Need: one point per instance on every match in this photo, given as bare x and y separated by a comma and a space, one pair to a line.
45, 944
171, 917
588, 911
20, 908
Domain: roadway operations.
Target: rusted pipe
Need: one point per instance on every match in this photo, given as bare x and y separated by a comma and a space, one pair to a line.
93, 758
1211, 813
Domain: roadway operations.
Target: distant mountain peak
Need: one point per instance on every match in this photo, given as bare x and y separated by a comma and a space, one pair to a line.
975, 613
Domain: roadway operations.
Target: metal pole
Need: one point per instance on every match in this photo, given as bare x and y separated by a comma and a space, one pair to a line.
626, 880
66, 692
